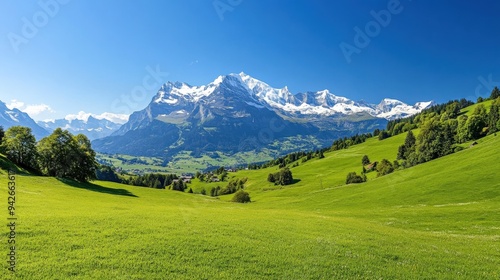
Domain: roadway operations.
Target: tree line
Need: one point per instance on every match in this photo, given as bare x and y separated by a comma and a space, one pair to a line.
60, 154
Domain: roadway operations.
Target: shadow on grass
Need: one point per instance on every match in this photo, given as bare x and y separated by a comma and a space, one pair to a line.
295, 181
96, 188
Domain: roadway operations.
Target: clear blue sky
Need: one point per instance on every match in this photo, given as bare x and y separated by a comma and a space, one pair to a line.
88, 54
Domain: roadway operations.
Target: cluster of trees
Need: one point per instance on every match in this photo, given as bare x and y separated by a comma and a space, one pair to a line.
220, 173
232, 187
394, 127
60, 154
283, 177
178, 185
156, 181
346, 142
440, 134
283, 161
384, 167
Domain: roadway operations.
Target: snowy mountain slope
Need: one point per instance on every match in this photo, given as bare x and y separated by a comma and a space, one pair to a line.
13, 117
319, 103
86, 124
237, 113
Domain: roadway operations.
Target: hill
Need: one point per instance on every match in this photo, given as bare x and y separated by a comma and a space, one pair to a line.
437, 220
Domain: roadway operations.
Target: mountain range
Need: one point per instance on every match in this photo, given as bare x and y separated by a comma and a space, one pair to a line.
91, 126
13, 117
234, 113
238, 113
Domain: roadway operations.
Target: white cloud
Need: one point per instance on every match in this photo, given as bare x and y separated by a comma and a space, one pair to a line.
15, 104
116, 118
80, 116
32, 109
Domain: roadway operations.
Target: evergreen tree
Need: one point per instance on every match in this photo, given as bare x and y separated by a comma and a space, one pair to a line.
435, 140
383, 135
495, 93
2, 134
408, 147
365, 160
493, 117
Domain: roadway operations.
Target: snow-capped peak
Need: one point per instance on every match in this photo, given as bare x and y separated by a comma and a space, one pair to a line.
321, 102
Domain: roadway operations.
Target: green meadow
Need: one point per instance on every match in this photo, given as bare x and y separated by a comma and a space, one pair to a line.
438, 220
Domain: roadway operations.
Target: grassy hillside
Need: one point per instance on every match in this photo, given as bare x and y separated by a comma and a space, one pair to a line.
438, 220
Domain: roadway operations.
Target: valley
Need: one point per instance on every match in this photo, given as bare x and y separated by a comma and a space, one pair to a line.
434, 220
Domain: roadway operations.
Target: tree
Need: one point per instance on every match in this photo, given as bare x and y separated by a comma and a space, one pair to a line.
178, 185
285, 177
66, 156
493, 117
435, 140
408, 147
19, 145
384, 167
2, 134
453, 110
270, 178
85, 166
474, 127
365, 160
241, 196
353, 178
321, 155
480, 99
383, 135
495, 93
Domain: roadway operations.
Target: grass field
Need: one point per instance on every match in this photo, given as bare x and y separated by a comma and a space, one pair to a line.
439, 220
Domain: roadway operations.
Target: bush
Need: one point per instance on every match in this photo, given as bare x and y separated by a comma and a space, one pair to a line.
241, 197
353, 178
283, 177
384, 167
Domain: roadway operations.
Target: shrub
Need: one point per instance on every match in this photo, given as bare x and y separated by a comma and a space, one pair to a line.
353, 178
384, 167
283, 177
241, 196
